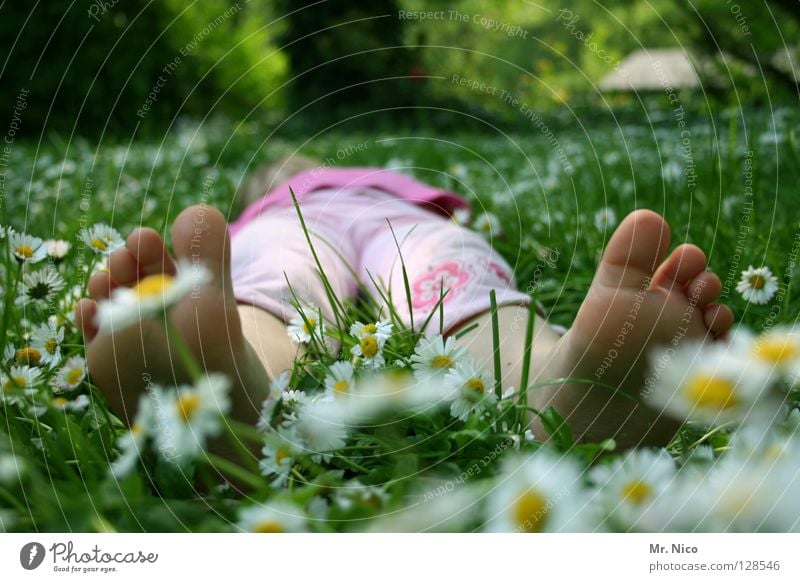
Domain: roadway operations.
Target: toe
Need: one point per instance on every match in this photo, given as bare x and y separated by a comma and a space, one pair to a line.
682, 265
718, 319
201, 232
122, 267
635, 249
704, 289
148, 250
100, 286
85, 312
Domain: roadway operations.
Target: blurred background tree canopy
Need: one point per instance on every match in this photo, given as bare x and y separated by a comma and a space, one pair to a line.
118, 65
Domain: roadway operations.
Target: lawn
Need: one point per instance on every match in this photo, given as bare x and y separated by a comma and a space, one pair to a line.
727, 186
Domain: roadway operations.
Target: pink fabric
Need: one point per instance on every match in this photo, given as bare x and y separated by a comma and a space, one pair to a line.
358, 252
440, 201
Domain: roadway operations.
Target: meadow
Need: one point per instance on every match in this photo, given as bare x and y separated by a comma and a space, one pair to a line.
549, 200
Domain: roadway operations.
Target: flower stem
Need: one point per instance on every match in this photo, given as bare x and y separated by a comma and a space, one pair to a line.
184, 353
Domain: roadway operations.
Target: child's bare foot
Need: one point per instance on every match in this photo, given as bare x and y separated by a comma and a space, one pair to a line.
123, 363
637, 300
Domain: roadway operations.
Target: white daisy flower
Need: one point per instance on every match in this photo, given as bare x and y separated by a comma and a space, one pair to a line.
150, 296
192, 415
102, 239
369, 352
19, 382
629, 484
40, 287
70, 376
779, 349
57, 249
320, 430
380, 329
708, 383
302, 330
488, 225
436, 356
28, 356
471, 389
355, 493
279, 457
276, 390
757, 285
131, 444
292, 404
605, 218
79, 404
339, 381
272, 517
27, 248
47, 338
539, 493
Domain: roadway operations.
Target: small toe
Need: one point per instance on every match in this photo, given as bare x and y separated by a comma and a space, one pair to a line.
704, 289
123, 267
680, 267
718, 319
85, 312
147, 248
100, 286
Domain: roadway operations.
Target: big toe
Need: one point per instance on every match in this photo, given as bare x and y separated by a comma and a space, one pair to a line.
200, 234
635, 250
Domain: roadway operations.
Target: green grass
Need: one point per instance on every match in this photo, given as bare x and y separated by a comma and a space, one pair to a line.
546, 209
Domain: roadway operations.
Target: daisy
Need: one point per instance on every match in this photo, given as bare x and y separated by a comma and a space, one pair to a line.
708, 384
276, 390
19, 382
471, 389
302, 330
102, 239
70, 376
292, 403
630, 483
57, 249
436, 356
47, 338
272, 517
192, 414
29, 356
355, 493
369, 351
779, 349
757, 285
320, 429
149, 297
539, 493
79, 404
488, 225
279, 457
27, 248
40, 287
381, 329
605, 218
132, 443
339, 381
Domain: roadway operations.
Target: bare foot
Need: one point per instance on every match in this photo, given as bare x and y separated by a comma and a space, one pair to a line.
122, 364
637, 300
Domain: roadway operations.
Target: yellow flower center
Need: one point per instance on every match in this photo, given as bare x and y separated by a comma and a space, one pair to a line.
530, 512
369, 346
637, 492
341, 387
310, 326
30, 356
99, 244
188, 404
757, 281
281, 455
268, 526
710, 392
153, 285
74, 376
370, 328
776, 350
25, 251
59, 402
474, 389
441, 362
136, 429
51, 345
15, 383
